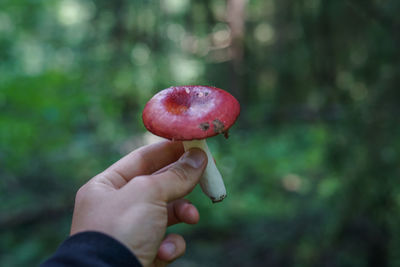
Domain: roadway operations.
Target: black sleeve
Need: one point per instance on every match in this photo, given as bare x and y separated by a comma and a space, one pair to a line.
92, 249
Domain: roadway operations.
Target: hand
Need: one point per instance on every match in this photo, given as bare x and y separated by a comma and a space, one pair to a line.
136, 198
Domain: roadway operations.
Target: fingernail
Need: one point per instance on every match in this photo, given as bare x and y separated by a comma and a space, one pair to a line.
169, 248
194, 157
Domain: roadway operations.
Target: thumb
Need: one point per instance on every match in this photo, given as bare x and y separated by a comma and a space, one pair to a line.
181, 177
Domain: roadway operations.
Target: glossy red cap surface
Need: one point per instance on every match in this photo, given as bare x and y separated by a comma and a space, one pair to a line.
190, 112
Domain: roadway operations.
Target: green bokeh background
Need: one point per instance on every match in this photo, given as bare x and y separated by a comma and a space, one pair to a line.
311, 166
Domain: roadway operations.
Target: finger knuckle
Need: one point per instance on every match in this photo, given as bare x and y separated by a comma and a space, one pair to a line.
80, 194
180, 173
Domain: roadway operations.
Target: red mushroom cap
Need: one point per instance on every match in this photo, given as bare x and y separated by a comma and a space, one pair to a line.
190, 112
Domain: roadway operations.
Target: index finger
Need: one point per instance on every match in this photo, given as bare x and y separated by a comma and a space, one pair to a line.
143, 161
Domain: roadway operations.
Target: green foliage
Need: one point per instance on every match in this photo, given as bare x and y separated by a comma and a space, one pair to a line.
311, 166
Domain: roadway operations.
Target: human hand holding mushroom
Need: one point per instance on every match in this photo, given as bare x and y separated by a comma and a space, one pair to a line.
139, 196
191, 114
136, 198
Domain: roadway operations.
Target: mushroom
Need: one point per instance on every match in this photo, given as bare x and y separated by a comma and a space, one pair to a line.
191, 114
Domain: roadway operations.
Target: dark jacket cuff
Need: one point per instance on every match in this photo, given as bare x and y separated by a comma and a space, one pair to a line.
92, 249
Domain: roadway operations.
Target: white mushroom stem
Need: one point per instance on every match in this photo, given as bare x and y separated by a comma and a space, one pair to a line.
211, 183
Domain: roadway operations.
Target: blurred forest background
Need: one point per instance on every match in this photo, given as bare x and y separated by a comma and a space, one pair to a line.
311, 167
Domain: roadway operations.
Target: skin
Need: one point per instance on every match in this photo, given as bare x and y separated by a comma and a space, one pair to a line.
138, 197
